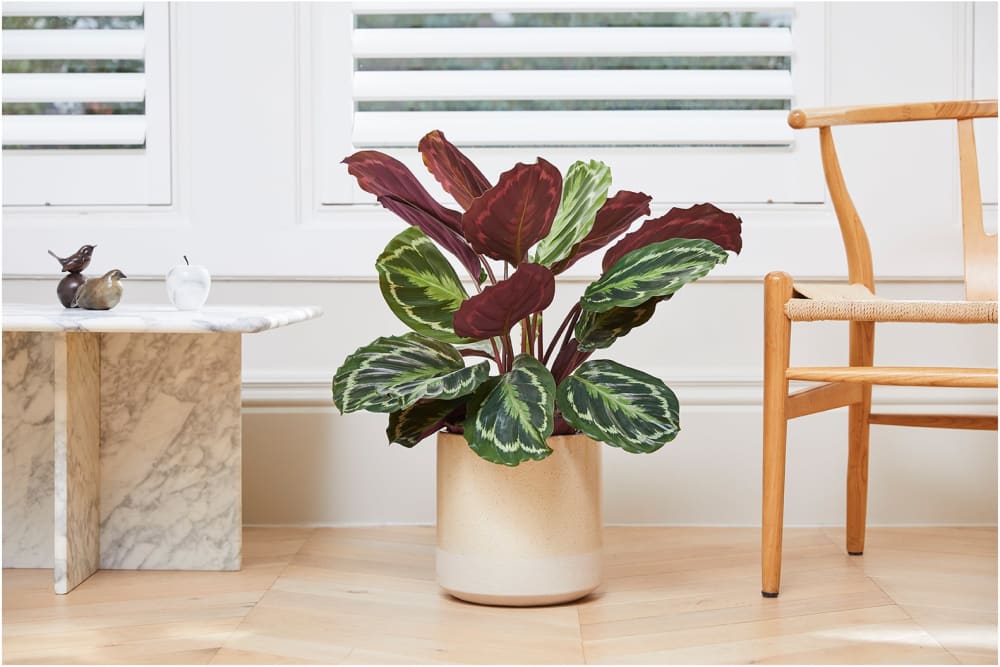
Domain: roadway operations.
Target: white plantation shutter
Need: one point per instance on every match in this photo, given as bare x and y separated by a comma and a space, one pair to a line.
621, 125
685, 102
86, 106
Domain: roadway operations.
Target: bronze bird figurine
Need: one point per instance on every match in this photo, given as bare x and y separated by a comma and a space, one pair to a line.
102, 293
78, 261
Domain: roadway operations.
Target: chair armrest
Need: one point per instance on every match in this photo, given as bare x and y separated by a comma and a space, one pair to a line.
891, 113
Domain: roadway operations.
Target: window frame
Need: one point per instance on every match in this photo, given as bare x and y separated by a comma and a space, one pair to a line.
106, 177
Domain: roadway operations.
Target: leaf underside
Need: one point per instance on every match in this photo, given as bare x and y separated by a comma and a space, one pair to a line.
453, 170
446, 238
620, 406
612, 220
511, 417
495, 310
514, 214
395, 372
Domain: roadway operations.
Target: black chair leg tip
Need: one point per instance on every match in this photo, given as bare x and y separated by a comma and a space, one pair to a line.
855, 553
769, 595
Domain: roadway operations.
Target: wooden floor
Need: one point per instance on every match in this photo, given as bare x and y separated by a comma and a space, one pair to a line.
672, 595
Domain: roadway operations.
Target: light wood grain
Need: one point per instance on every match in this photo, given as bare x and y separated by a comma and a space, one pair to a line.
672, 595
777, 339
822, 398
859, 254
980, 247
891, 113
910, 376
973, 422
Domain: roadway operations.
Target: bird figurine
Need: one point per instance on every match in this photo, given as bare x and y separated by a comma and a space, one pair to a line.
76, 262
102, 293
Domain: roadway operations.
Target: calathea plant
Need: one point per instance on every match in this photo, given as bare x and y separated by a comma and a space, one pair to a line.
512, 239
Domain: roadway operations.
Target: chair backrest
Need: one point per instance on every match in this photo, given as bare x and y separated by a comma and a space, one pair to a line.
980, 248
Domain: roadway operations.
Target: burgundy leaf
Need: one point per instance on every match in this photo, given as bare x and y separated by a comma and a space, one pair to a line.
499, 307
612, 220
431, 226
453, 170
702, 221
516, 213
382, 174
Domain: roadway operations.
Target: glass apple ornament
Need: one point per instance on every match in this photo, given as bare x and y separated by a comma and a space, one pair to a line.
188, 285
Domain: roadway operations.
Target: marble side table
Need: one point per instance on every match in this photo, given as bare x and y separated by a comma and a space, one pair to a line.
124, 425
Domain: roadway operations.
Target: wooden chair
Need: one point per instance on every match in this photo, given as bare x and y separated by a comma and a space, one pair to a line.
786, 302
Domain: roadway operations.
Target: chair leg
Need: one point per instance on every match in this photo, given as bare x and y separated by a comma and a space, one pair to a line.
862, 354
777, 338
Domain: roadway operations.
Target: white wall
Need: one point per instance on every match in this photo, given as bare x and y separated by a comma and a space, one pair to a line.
241, 174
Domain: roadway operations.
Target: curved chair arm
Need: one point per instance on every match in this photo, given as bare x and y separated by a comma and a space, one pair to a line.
891, 113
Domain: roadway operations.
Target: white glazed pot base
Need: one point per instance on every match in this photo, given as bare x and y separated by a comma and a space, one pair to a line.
513, 582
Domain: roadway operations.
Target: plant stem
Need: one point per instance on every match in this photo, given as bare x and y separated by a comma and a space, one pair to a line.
555, 339
508, 347
541, 344
489, 271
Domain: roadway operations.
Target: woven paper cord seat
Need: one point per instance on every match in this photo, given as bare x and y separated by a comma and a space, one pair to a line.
856, 303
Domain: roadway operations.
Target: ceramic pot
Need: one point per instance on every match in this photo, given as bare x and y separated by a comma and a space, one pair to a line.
519, 536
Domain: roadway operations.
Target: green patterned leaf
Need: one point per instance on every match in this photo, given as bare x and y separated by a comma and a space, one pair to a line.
395, 372
585, 190
620, 406
596, 331
511, 417
420, 285
658, 269
411, 425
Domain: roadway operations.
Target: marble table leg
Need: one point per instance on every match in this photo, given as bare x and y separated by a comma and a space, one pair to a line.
171, 480
28, 454
77, 413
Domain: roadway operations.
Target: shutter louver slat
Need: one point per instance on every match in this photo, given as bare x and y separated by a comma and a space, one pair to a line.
631, 128
569, 42
95, 130
572, 85
118, 87
73, 44
72, 9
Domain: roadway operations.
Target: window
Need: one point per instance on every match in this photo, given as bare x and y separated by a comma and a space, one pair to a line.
86, 103
682, 104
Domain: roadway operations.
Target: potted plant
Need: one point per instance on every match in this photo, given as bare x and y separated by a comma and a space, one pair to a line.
518, 467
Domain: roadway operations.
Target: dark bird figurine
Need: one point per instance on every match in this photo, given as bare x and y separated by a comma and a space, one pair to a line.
102, 293
76, 262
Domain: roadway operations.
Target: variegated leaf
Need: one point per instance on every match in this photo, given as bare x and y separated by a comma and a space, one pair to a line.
655, 270
599, 330
453, 170
511, 417
395, 372
702, 221
411, 425
516, 213
620, 406
445, 237
420, 286
585, 190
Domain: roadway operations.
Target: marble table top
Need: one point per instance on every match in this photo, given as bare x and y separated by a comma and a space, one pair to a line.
154, 318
